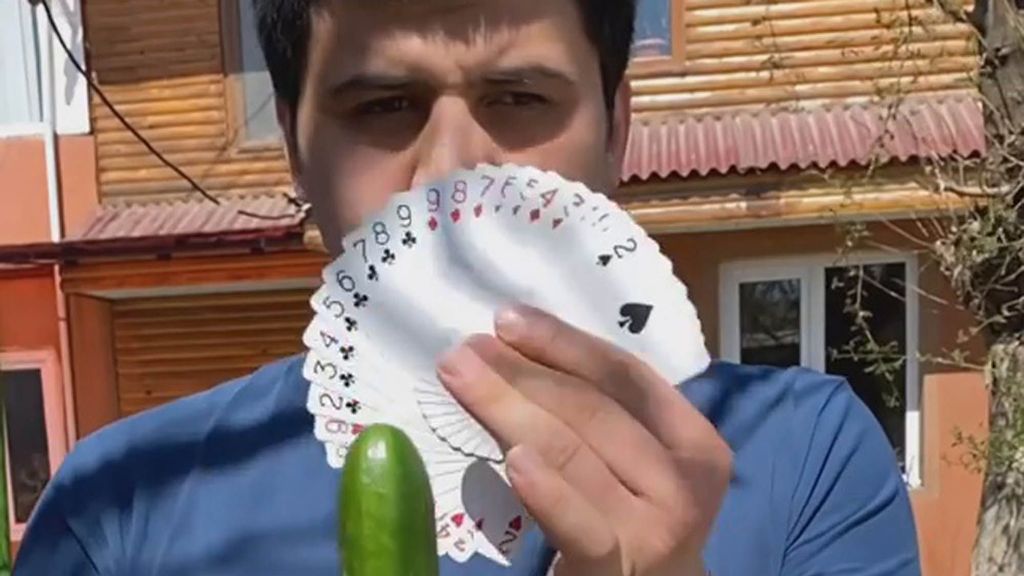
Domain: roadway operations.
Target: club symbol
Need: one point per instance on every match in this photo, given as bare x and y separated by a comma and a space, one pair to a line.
360, 299
347, 352
409, 240
347, 379
635, 316
371, 273
388, 257
604, 260
353, 406
350, 324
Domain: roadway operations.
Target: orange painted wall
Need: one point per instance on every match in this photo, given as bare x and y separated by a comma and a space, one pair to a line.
946, 506
24, 212
28, 314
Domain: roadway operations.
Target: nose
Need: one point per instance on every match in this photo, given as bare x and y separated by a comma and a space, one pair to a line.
451, 139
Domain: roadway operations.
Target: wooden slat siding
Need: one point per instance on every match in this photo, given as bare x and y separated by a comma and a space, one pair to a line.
749, 52
161, 63
166, 348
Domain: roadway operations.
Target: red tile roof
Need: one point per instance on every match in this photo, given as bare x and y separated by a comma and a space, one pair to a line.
687, 144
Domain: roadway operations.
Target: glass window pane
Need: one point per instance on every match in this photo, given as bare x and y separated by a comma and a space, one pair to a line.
19, 74
260, 116
653, 36
871, 357
770, 322
27, 451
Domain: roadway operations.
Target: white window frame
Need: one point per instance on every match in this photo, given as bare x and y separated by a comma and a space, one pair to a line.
53, 408
70, 90
810, 270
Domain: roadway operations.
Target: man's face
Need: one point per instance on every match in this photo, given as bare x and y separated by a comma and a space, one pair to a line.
398, 93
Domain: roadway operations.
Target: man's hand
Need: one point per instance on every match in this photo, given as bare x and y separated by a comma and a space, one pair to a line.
623, 475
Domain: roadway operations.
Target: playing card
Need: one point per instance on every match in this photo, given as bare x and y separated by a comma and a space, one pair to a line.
431, 268
499, 516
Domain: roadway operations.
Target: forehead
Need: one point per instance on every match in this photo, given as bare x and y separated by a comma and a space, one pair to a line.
452, 34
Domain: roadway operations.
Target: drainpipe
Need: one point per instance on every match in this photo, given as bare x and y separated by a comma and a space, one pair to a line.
49, 113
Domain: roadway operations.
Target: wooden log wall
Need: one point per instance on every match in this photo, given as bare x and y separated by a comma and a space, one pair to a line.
162, 63
756, 52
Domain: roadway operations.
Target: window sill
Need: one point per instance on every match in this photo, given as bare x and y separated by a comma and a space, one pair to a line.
22, 130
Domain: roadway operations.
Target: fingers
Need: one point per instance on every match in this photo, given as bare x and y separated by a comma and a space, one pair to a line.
637, 387
632, 453
584, 537
514, 420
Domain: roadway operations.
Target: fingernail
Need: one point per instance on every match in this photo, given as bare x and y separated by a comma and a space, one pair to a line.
509, 323
523, 461
457, 364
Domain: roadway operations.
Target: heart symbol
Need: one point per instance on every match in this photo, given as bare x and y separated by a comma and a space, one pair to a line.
516, 523
556, 223
457, 519
456, 214
432, 223
534, 214
604, 259
478, 210
635, 316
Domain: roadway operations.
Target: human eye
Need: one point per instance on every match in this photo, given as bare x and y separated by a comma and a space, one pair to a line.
383, 106
517, 99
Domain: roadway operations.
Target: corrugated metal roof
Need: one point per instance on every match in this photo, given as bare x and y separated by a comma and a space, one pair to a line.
191, 217
686, 144
178, 226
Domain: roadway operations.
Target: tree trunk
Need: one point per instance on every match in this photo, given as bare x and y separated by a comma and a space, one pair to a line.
999, 548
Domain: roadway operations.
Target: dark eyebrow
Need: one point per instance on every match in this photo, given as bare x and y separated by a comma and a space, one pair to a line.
526, 75
372, 83
514, 76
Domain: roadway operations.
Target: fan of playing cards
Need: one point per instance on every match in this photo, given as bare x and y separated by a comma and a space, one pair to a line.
432, 268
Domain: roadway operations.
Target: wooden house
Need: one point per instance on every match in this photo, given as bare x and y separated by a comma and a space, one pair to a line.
760, 129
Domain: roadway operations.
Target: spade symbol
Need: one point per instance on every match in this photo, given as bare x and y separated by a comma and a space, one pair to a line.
635, 316
604, 259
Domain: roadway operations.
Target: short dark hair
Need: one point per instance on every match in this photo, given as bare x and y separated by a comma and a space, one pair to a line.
284, 27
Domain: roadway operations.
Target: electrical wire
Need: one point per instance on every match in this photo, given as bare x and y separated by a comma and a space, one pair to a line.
300, 206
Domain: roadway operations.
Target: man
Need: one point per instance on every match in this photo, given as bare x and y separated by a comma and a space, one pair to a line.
748, 471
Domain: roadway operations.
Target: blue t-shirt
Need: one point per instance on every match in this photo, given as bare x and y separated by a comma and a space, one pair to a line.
231, 482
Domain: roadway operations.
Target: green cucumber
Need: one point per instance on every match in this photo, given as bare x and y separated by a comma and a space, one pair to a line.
386, 508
